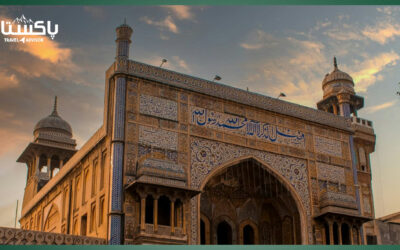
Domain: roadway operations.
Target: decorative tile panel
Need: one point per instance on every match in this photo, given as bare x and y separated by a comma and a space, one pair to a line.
158, 138
338, 197
207, 155
194, 225
330, 173
159, 107
163, 165
327, 146
243, 126
367, 205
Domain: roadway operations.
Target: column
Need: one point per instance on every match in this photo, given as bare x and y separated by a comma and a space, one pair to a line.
335, 111
340, 233
179, 219
142, 212
37, 162
344, 104
351, 235
117, 162
61, 164
294, 228
172, 222
49, 170
155, 213
332, 242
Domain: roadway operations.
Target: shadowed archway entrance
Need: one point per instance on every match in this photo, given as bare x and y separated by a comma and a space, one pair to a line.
258, 206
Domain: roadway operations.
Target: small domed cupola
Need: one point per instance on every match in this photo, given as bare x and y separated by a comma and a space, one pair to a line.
51, 148
337, 81
339, 96
54, 130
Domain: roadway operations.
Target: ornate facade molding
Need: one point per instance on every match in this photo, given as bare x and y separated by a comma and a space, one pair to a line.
234, 94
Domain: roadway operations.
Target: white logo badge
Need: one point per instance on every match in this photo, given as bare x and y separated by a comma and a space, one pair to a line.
22, 26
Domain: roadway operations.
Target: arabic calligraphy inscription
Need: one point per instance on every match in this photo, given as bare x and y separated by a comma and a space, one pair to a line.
246, 127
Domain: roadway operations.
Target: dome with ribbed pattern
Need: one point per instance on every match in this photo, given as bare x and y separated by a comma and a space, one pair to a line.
54, 122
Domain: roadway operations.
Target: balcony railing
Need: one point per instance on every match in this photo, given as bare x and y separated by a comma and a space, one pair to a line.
161, 230
361, 122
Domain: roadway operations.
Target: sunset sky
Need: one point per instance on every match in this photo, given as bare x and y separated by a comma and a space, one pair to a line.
269, 49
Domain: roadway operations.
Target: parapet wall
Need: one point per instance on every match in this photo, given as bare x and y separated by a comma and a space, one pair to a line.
14, 236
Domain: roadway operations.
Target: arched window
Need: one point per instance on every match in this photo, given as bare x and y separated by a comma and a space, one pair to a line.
54, 165
335, 234
149, 210
224, 233
77, 192
178, 216
84, 225
85, 190
327, 234
164, 211
93, 218
43, 163
202, 232
248, 235
345, 234
363, 159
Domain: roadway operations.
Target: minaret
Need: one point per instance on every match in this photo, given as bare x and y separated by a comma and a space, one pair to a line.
339, 96
123, 41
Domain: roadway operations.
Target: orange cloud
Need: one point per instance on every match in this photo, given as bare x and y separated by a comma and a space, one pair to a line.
382, 106
12, 140
48, 50
369, 70
382, 33
8, 80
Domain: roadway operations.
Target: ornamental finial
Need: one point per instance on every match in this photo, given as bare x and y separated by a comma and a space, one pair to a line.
55, 106
335, 62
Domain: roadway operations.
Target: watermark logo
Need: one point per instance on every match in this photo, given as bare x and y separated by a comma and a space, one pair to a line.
22, 29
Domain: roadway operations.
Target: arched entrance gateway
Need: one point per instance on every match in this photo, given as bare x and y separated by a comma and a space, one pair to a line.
246, 203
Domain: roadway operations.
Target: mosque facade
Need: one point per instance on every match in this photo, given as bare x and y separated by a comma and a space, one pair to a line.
182, 160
